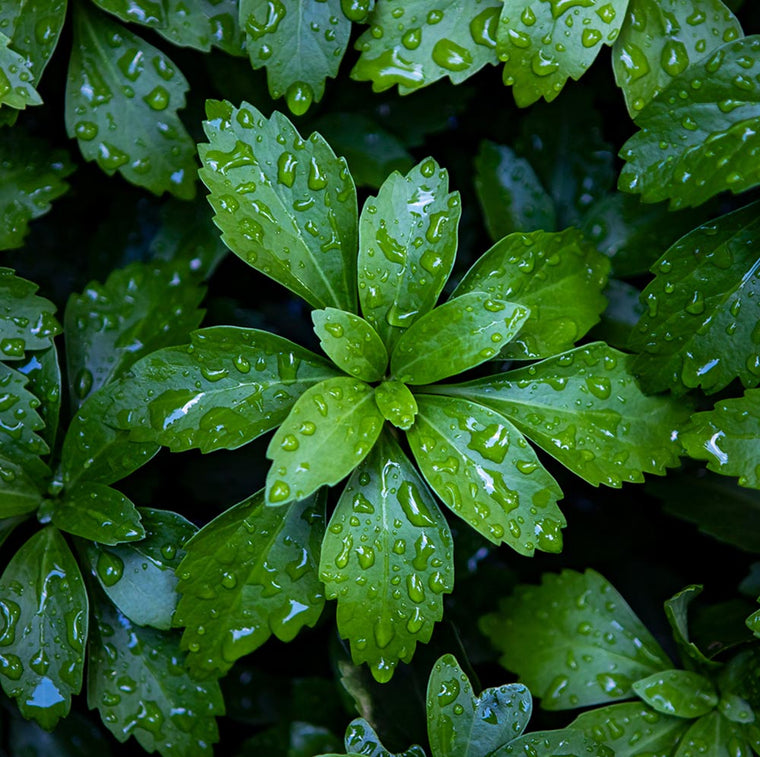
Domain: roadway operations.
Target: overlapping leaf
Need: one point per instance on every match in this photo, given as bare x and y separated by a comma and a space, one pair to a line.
19, 492
43, 371
16, 78
716, 736
682, 693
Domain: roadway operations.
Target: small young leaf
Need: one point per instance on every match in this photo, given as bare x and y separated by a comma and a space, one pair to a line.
714, 735
423, 44
362, 741
407, 245
122, 98
480, 465
16, 77
387, 530
26, 320
19, 494
396, 403
682, 693
564, 743
44, 373
250, 573
573, 640
458, 335
44, 607
676, 611
285, 205
330, 430
558, 276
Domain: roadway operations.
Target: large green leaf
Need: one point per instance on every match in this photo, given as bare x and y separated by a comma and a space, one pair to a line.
250, 573
285, 205
361, 739
480, 465
562, 743
690, 148
585, 409
412, 44
330, 430
16, 78
43, 603
682, 693
543, 44
559, 277
387, 559
407, 245
19, 493
44, 373
573, 640
714, 735
122, 98
228, 387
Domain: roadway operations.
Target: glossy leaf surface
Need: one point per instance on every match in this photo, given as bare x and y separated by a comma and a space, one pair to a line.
573, 640
396, 403
676, 611
389, 547
682, 693
361, 739
19, 493
716, 736
44, 373
16, 78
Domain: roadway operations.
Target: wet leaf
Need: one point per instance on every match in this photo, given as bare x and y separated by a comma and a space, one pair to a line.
124, 116
26, 320
361, 739
573, 640
480, 465
16, 78
716, 736
388, 532
285, 205
564, 743
44, 628
422, 44
682, 693
677, 613
250, 573
396, 403
19, 493
44, 373
558, 276
330, 430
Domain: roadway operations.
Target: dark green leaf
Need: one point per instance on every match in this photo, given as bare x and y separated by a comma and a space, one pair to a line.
396, 403
330, 430
558, 276
736, 709
716, 736
677, 613
8, 525
16, 77
122, 98
26, 320
285, 205
44, 628
75, 736
480, 465
388, 532
622, 314
361, 739
682, 693
250, 573
19, 493
44, 373
573, 640
564, 743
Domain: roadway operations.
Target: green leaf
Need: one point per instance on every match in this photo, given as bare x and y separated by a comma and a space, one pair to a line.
632, 729
726, 437
361, 739
621, 315
700, 328
26, 320
44, 373
708, 136
396, 403
285, 205
330, 430
677, 613
585, 409
422, 44
97, 512
388, 531
558, 276
480, 465
44, 628
510, 193
16, 77
716, 736
351, 343
301, 44
250, 573
139, 577
578, 624
544, 44
407, 245
137, 680
32, 175
458, 335
682, 693
228, 387
564, 743
122, 98
461, 724
19, 492
658, 42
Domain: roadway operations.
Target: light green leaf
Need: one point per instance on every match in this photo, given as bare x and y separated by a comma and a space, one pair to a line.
396, 403
387, 530
563, 743
122, 98
716, 736
659, 41
458, 335
228, 387
585, 409
351, 343
301, 44
285, 205
677, 613
137, 680
330, 430
573, 640
480, 465
407, 245
361, 739
682, 693
422, 44
19, 493
44, 629
708, 136
250, 573
701, 326
558, 276
44, 373
543, 44
16, 77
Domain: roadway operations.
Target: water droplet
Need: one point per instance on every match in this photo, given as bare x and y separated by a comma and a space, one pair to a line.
299, 97
158, 98
674, 58
279, 492
86, 130
483, 28
412, 38
109, 567
451, 56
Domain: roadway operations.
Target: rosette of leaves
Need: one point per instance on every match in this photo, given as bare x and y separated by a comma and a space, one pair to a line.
287, 206
576, 643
